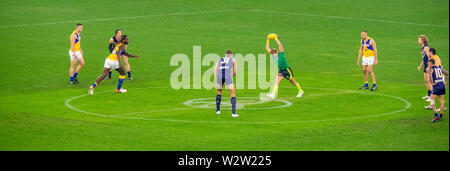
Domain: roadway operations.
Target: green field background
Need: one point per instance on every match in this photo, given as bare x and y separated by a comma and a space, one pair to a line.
321, 39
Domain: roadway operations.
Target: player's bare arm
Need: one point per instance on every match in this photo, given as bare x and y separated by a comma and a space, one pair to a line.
425, 49
420, 66
372, 42
72, 45
267, 46
129, 55
111, 41
119, 52
280, 46
359, 54
234, 67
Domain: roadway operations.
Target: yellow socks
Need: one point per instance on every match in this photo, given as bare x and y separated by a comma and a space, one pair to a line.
298, 87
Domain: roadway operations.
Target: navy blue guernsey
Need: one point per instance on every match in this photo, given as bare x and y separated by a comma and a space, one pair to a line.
112, 46
424, 57
438, 79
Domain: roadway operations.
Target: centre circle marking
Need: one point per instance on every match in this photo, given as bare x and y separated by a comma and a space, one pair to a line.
122, 116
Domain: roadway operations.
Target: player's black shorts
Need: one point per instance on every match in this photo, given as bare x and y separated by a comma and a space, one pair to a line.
288, 74
438, 89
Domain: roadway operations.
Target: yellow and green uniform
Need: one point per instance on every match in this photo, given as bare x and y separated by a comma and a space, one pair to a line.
285, 71
282, 62
76, 46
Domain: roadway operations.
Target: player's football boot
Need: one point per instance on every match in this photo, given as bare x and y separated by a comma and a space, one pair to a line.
428, 107
71, 82
364, 88
300, 94
218, 112
130, 78
234, 115
373, 88
435, 119
271, 96
425, 97
91, 90
121, 90
75, 80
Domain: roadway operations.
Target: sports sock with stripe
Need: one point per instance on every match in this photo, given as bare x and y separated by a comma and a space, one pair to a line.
298, 87
275, 89
233, 105
218, 99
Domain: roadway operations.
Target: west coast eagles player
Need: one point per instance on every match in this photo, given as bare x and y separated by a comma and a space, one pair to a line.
284, 71
368, 49
224, 71
75, 53
113, 62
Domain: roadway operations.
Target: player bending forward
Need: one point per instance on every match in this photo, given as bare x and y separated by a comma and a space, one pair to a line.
224, 71
113, 62
437, 79
284, 71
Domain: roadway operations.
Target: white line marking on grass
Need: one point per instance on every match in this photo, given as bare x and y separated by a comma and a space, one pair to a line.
407, 106
116, 18
350, 18
210, 103
227, 10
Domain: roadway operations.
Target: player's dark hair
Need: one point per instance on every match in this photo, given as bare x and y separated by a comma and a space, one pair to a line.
229, 52
117, 31
123, 38
364, 31
78, 24
431, 61
433, 51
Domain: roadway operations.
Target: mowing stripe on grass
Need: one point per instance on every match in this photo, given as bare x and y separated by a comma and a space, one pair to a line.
228, 10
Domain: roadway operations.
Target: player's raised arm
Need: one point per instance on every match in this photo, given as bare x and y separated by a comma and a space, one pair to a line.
375, 52
111, 44
267, 46
280, 46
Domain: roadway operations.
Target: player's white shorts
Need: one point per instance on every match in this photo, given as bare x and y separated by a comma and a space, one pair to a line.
228, 86
78, 53
111, 64
368, 60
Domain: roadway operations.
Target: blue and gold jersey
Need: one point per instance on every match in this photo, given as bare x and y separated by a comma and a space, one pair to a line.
366, 47
113, 55
76, 46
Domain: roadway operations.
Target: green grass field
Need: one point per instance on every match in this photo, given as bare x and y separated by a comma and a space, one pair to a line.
39, 110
